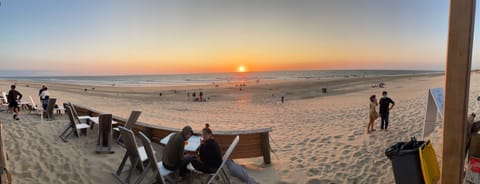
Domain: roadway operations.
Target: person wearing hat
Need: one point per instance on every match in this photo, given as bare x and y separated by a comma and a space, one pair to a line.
173, 153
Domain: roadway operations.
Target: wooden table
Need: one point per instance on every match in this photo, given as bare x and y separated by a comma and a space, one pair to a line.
192, 145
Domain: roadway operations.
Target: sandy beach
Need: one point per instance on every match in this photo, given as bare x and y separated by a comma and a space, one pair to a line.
317, 137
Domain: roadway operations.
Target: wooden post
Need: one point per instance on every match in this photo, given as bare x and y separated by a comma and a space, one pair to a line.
3, 160
457, 83
266, 148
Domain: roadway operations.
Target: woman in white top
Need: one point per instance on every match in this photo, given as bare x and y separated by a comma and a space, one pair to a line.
44, 97
372, 113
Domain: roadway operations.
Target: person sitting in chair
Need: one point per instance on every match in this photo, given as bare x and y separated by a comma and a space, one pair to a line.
173, 154
210, 156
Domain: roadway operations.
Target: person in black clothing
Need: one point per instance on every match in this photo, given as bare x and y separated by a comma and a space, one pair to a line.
13, 97
385, 108
209, 156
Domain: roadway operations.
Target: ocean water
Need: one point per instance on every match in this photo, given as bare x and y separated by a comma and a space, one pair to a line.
211, 78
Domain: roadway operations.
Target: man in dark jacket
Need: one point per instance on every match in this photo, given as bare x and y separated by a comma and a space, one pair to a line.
13, 97
173, 152
385, 108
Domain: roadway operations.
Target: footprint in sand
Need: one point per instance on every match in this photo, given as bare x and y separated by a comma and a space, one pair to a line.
313, 172
338, 136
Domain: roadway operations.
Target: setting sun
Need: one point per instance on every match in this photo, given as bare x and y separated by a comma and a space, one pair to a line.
241, 69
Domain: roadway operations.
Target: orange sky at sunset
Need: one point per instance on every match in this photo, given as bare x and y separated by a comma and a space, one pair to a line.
163, 37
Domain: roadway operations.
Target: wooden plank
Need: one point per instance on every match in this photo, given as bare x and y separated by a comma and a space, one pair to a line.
459, 54
246, 154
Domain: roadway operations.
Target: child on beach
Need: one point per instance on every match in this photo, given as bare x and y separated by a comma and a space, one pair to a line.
372, 113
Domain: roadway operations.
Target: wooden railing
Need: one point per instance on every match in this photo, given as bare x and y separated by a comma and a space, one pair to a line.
253, 143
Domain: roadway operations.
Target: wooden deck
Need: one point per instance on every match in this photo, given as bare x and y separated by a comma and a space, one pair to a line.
253, 143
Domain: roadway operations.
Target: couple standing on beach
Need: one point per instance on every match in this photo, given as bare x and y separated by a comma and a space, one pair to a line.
385, 108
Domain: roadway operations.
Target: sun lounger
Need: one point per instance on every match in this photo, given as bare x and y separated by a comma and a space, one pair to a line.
129, 124
157, 167
75, 126
220, 169
135, 154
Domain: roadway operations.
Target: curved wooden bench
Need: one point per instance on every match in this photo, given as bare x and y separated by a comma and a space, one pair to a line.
253, 143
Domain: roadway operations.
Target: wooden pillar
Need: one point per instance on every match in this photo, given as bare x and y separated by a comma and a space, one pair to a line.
457, 83
266, 148
3, 160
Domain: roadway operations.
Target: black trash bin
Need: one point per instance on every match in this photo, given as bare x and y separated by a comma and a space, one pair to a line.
406, 162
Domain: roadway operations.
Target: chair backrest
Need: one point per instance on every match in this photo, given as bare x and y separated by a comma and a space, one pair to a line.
225, 157
74, 112
147, 144
33, 102
50, 107
4, 95
132, 119
72, 120
130, 144
105, 129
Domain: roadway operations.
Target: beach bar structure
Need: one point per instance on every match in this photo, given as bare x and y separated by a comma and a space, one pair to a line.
253, 143
457, 86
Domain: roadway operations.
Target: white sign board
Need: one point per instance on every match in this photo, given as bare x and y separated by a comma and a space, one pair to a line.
434, 104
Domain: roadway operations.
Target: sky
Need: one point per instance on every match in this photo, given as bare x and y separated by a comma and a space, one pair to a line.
204, 36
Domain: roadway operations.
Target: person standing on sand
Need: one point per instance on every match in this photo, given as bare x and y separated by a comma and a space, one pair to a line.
13, 97
385, 108
372, 113
40, 93
44, 97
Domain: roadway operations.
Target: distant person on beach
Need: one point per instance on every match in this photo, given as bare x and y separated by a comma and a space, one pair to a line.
173, 157
44, 97
385, 108
372, 113
193, 95
209, 155
283, 99
13, 97
201, 96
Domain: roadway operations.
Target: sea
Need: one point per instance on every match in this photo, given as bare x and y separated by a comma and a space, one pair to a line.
211, 78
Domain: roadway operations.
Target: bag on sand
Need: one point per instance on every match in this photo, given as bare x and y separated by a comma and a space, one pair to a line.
239, 172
